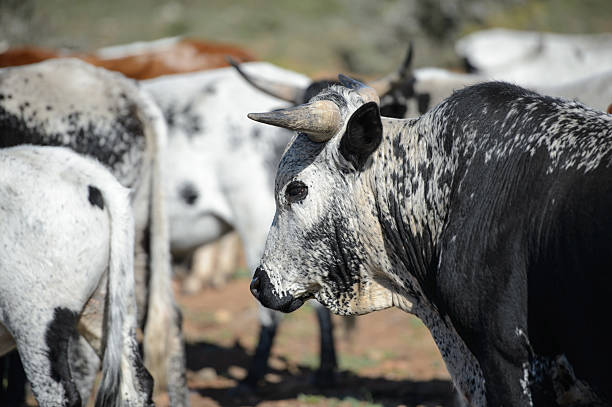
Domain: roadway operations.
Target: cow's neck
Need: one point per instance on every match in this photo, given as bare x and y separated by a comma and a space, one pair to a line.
412, 178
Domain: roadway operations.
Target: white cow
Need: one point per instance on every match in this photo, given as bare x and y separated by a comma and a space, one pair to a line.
67, 267
536, 58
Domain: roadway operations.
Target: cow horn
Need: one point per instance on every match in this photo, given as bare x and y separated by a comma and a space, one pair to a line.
368, 93
320, 120
384, 85
291, 94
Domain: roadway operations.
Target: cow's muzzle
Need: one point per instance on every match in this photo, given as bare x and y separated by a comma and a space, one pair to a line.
261, 288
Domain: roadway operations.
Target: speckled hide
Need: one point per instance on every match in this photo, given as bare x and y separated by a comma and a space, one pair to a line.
67, 236
487, 217
101, 114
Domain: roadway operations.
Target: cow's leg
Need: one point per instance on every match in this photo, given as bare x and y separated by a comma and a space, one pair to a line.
202, 269
504, 380
84, 366
44, 349
259, 364
324, 376
12, 380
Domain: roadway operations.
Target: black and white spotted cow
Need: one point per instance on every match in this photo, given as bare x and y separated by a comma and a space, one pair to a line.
67, 266
488, 218
98, 113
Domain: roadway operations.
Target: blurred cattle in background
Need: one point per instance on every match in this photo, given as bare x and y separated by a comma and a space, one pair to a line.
67, 250
375, 213
142, 60
535, 58
98, 113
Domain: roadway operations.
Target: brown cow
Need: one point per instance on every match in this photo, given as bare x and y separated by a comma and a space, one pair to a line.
182, 55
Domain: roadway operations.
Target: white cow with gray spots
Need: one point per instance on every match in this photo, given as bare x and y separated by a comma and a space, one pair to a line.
66, 102
67, 267
487, 217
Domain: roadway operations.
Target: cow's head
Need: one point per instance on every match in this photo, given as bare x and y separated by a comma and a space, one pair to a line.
325, 241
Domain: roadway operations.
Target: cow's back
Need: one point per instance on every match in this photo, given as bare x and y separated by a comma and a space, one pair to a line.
70, 103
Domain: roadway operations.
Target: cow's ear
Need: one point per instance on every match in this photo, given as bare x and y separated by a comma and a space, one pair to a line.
363, 135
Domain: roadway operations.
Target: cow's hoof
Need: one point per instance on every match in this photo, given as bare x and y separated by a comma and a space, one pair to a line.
324, 378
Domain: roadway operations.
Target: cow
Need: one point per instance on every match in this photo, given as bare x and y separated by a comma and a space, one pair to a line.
67, 102
487, 217
67, 267
143, 60
218, 162
535, 58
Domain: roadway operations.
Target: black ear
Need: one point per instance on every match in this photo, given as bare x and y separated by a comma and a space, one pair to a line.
363, 135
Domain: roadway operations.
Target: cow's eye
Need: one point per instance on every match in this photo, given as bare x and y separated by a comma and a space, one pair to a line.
296, 191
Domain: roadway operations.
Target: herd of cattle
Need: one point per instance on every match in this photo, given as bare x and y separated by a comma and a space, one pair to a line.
481, 207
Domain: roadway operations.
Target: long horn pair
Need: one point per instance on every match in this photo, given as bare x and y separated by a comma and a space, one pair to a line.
291, 94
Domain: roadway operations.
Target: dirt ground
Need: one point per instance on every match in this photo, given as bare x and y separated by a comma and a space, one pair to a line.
388, 360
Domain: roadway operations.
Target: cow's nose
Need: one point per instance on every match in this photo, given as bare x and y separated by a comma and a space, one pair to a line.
256, 283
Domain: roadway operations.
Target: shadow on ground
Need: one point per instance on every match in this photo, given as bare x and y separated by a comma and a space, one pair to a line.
290, 381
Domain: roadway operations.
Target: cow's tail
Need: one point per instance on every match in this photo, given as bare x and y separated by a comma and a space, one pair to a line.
124, 379
163, 342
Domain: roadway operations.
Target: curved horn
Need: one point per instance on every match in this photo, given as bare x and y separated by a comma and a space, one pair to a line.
384, 85
291, 94
406, 67
368, 93
320, 120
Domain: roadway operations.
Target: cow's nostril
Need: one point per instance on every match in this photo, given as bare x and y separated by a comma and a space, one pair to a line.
255, 283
